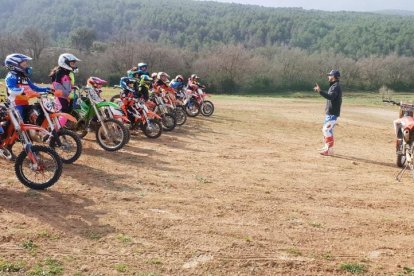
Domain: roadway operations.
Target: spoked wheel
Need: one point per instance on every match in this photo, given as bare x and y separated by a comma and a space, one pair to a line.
152, 129
192, 108
69, 146
207, 108
116, 137
401, 158
168, 121
180, 115
38, 169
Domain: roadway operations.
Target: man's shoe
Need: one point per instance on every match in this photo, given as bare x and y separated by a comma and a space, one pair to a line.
323, 148
327, 152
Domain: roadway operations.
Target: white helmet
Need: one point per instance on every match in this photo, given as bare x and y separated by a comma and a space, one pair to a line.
64, 60
160, 74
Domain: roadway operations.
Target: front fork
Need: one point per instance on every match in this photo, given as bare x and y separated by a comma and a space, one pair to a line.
101, 121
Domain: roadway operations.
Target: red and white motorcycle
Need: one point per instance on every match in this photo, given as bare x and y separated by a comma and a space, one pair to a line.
404, 129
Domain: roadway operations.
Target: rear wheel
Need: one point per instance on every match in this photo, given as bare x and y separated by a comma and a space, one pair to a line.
400, 154
69, 146
400, 160
116, 137
38, 169
152, 129
79, 128
168, 122
180, 115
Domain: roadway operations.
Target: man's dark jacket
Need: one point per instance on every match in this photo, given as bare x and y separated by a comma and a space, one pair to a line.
334, 99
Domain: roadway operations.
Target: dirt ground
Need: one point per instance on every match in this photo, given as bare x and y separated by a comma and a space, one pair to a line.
243, 192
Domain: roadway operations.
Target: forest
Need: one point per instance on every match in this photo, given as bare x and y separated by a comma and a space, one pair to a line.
233, 47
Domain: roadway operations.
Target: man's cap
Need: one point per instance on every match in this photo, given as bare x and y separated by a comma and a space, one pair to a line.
334, 73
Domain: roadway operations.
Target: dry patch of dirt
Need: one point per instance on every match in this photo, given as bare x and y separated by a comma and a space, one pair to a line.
242, 192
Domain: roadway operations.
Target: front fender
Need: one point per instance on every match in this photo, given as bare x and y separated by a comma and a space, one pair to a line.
153, 115
106, 104
123, 118
64, 115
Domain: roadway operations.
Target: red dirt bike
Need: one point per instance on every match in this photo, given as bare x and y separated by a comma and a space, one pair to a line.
148, 121
37, 167
195, 103
404, 127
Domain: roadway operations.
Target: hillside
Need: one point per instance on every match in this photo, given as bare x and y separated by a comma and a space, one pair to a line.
196, 25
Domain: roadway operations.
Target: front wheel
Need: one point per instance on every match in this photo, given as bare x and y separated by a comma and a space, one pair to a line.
152, 129
180, 115
400, 160
116, 137
67, 145
39, 168
192, 108
207, 108
168, 121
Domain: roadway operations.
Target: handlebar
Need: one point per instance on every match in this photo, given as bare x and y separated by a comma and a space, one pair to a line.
392, 102
403, 106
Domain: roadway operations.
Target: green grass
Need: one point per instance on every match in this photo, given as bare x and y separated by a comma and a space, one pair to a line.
8, 267
354, 268
124, 238
49, 267
406, 271
29, 245
121, 268
294, 252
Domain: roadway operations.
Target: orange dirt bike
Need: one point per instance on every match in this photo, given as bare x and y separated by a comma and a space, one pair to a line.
46, 113
158, 105
148, 121
37, 167
404, 128
175, 106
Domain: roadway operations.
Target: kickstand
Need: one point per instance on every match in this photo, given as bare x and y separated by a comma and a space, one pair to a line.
398, 177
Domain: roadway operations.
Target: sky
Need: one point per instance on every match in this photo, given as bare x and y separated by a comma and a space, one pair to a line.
344, 5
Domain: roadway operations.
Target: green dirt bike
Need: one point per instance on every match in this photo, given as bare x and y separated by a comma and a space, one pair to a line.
94, 114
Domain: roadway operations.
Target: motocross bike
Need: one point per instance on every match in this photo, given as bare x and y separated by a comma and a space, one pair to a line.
110, 133
45, 113
404, 127
36, 167
148, 121
175, 106
195, 103
157, 104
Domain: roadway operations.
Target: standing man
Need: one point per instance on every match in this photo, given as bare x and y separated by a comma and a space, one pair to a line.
332, 110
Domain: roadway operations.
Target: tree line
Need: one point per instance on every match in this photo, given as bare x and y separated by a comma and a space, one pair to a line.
234, 48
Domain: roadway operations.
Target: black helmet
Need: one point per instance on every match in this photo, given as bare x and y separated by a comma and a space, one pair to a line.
334, 73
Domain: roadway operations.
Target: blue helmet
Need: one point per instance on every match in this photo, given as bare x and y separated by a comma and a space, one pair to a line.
140, 65
13, 61
334, 73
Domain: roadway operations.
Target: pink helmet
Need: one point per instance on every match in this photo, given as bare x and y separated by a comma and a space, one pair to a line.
95, 81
